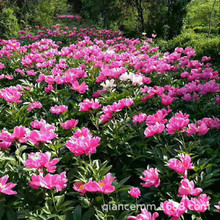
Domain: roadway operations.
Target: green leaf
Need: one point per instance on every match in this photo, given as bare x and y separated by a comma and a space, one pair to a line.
88, 214
77, 213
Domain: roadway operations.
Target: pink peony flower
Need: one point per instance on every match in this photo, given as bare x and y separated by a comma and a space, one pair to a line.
87, 104
6, 136
41, 161
72, 123
2, 66
34, 105
5, 145
145, 215
79, 187
154, 129
49, 181
42, 124
200, 128
104, 186
80, 88
178, 123
19, 134
58, 109
135, 192
174, 209
187, 188
11, 94
217, 206
45, 134
82, 142
182, 165
158, 117
140, 118
6, 187
92, 186
166, 100
151, 178
199, 205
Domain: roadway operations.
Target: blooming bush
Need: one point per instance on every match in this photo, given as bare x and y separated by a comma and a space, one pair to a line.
99, 120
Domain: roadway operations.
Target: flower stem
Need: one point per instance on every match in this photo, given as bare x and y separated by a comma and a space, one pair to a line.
103, 199
52, 196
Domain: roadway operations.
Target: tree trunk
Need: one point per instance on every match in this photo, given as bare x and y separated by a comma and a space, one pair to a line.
140, 13
210, 23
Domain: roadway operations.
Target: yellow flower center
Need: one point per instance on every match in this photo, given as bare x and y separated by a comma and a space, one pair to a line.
1, 185
81, 187
101, 184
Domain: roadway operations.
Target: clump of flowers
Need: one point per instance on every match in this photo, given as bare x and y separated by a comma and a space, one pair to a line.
42, 161
58, 181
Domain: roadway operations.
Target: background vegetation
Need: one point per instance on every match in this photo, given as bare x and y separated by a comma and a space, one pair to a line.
177, 23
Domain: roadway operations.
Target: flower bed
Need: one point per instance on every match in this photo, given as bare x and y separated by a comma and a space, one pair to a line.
93, 128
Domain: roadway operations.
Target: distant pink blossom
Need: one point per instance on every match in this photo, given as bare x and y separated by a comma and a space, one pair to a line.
34, 105
58, 109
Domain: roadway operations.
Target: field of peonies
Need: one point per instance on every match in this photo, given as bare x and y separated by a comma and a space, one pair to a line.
94, 125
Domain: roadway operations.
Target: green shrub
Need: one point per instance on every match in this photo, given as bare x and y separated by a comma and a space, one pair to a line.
200, 29
45, 11
8, 24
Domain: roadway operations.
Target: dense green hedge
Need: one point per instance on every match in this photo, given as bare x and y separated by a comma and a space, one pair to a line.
200, 42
